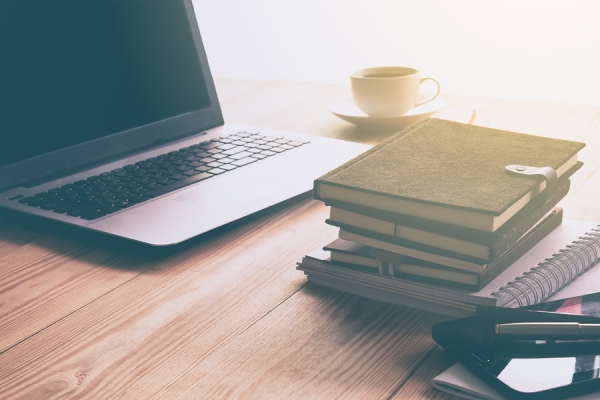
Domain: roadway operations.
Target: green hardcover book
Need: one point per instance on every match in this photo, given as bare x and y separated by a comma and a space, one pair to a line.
449, 172
484, 245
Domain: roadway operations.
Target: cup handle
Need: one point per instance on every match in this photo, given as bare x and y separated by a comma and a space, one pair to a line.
432, 97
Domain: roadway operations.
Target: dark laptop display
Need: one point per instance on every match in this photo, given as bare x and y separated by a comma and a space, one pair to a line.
66, 79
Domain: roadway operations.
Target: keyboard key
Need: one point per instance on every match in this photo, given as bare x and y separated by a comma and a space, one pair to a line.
228, 167
286, 146
214, 164
244, 161
277, 149
77, 212
241, 155
124, 204
170, 172
283, 141
226, 160
139, 191
216, 171
177, 185
264, 147
238, 143
209, 145
235, 150
214, 151
26, 200
48, 206
207, 160
109, 209
218, 156
295, 144
110, 201
152, 185
254, 151
63, 209
191, 172
133, 197
227, 146
93, 215
268, 153
259, 156
202, 168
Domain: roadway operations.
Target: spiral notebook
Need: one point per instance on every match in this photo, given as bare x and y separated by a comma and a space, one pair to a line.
547, 271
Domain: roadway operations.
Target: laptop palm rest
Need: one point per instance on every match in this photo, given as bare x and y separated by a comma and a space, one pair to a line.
197, 209
223, 194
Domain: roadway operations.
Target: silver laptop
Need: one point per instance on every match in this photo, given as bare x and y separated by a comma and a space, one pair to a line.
109, 120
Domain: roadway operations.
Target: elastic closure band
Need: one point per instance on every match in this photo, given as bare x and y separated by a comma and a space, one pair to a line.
548, 173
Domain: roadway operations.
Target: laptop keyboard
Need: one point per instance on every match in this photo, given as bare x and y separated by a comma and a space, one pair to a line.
100, 195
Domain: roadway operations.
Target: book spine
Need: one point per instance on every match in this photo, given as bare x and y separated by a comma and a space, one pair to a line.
548, 277
530, 239
520, 222
525, 222
482, 262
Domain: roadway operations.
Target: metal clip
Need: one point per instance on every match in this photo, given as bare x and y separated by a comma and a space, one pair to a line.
548, 173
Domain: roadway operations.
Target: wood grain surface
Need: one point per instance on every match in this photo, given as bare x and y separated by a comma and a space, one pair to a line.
227, 315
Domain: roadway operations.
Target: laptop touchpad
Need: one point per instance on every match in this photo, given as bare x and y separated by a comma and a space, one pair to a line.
227, 193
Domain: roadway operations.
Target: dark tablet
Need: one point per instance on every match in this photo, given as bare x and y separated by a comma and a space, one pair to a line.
527, 369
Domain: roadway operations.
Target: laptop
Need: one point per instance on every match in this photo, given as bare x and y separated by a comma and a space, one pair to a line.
109, 120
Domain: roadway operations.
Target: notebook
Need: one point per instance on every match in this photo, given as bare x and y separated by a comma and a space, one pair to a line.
449, 172
548, 270
110, 122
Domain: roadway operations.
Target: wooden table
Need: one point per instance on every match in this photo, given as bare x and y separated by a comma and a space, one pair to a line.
227, 314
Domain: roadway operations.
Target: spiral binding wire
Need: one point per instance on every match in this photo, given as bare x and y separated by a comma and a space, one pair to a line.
548, 277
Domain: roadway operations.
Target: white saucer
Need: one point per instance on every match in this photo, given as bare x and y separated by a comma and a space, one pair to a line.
348, 111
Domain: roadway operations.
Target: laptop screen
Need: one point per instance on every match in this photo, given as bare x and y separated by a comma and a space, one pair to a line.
77, 70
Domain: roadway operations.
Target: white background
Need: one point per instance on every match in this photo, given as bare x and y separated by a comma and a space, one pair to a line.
526, 49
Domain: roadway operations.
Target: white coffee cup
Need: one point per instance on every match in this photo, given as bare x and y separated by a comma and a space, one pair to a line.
388, 91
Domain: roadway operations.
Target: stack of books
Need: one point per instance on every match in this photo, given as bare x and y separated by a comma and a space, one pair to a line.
432, 215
